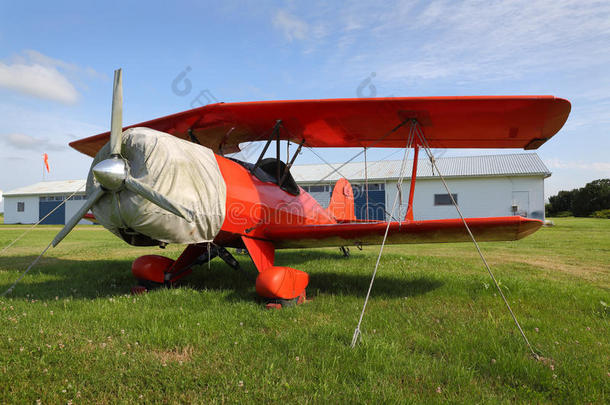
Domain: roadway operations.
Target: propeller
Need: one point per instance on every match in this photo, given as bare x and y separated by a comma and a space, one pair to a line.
116, 119
113, 173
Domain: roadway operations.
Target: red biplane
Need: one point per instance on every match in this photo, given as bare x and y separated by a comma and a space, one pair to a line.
168, 180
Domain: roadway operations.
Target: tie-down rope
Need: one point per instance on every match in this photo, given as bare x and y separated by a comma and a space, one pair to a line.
40, 220
426, 146
387, 228
10, 289
422, 140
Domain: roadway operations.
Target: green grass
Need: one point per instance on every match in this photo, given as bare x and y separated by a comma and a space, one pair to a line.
435, 330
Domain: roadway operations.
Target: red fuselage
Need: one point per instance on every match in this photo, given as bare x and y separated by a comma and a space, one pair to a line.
253, 204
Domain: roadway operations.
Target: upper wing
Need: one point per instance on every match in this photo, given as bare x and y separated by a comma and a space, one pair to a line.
448, 122
438, 230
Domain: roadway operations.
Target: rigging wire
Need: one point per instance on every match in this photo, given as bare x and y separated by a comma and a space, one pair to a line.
391, 131
334, 170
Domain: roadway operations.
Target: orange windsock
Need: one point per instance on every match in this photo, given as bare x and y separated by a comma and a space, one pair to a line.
45, 158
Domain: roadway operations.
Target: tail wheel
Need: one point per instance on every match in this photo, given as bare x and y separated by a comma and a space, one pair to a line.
149, 285
139, 289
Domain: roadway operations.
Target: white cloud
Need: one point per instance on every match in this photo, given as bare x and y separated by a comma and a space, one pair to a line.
521, 34
41, 59
292, 27
39, 81
42, 76
471, 40
27, 142
603, 167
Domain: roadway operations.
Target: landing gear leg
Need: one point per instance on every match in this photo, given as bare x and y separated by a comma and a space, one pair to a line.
279, 286
153, 271
345, 251
228, 258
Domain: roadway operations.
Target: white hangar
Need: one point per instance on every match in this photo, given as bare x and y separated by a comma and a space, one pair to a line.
28, 205
484, 186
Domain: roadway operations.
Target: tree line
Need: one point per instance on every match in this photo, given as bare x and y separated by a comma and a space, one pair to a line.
591, 200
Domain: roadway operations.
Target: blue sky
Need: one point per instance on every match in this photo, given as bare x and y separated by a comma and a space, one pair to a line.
57, 59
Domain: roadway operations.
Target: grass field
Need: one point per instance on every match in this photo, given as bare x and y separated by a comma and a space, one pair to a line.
435, 330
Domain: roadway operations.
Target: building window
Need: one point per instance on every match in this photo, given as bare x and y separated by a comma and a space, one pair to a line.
444, 199
374, 186
371, 187
20, 206
317, 189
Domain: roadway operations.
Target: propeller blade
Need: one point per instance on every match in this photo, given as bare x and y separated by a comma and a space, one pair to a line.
158, 199
97, 193
116, 122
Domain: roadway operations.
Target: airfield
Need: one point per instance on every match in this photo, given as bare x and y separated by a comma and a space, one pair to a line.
435, 330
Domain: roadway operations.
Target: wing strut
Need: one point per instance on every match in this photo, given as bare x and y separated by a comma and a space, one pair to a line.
274, 134
366, 184
409, 216
289, 165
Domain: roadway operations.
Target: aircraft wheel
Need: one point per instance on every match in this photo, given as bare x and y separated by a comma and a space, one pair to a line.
279, 303
150, 270
149, 285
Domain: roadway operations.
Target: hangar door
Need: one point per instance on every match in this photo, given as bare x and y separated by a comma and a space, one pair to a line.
48, 204
376, 201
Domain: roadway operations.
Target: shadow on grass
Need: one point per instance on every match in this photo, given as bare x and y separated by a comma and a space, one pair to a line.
91, 279
294, 257
53, 277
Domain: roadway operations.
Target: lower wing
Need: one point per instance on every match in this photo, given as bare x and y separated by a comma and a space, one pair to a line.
432, 231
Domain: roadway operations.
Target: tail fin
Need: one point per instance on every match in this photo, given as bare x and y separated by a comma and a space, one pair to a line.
341, 206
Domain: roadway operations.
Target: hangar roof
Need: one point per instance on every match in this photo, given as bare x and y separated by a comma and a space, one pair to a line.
49, 188
517, 164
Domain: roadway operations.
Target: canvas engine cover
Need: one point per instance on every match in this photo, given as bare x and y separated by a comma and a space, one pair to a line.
184, 172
